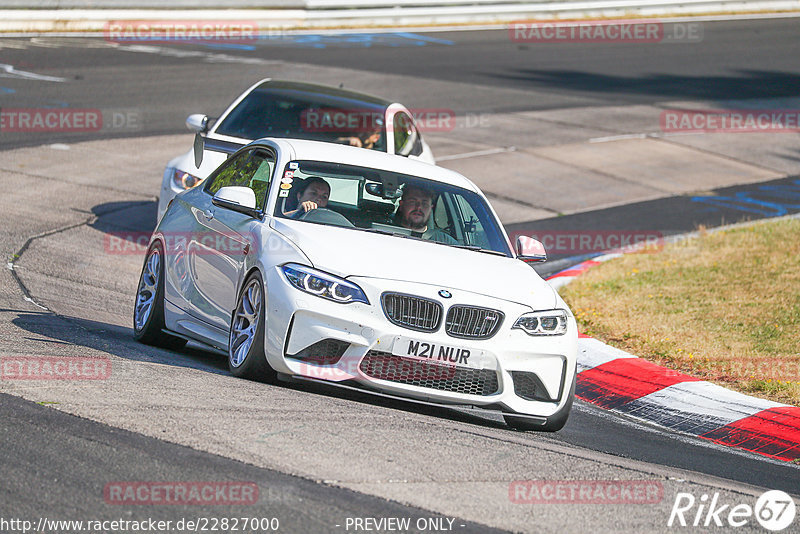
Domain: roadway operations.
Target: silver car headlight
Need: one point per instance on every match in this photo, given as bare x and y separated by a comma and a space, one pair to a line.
543, 323
323, 285
184, 180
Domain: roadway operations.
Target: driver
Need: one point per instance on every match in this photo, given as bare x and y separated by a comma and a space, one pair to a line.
312, 194
414, 213
368, 140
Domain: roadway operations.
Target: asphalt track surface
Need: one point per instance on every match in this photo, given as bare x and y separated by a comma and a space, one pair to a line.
58, 463
474, 72
78, 453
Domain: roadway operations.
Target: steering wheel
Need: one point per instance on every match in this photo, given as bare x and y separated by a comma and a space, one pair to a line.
326, 216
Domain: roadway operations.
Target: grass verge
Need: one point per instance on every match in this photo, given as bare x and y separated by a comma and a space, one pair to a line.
724, 306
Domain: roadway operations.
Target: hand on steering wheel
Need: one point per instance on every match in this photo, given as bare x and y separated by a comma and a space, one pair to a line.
308, 205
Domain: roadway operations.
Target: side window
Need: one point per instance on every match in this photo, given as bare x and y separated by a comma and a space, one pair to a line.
263, 164
344, 191
228, 174
442, 216
252, 169
406, 138
471, 225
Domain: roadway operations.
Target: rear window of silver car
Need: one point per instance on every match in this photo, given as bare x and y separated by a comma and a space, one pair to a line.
298, 115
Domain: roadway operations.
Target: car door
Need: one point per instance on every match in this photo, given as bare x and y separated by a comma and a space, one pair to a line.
224, 237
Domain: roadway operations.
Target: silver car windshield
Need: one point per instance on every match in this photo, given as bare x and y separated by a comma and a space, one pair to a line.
302, 115
380, 201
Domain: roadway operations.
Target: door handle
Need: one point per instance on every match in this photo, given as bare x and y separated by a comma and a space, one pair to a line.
208, 214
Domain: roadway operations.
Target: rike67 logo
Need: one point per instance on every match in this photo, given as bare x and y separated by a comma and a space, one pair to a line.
774, 510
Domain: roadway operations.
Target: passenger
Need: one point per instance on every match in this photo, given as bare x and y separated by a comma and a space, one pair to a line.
414, 213
312, 194
368, 140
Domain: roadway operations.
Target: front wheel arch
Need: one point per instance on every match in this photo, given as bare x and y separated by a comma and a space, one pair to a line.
150, 331
244, 280
254, 365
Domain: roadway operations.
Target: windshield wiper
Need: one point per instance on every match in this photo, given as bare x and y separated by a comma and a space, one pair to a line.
374, 231
476, 248
385, 232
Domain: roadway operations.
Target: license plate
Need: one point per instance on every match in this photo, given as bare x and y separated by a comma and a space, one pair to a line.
441, 353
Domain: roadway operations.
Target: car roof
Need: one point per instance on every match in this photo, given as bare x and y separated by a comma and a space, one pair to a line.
334, 93
321, 151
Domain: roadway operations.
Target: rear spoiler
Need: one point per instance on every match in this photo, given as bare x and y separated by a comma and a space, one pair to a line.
202, 143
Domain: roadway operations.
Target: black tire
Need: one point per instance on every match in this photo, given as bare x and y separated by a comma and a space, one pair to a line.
554, 423
148, 319
253, 365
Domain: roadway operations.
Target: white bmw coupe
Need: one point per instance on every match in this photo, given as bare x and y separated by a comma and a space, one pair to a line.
305, 260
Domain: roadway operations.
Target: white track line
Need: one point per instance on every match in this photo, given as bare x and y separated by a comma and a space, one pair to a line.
487, 152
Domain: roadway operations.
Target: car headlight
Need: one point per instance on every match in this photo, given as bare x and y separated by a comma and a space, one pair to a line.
543, 323
184, 180
323, 285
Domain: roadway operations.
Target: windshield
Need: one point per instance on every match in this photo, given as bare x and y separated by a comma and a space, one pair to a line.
386, 202
299, 114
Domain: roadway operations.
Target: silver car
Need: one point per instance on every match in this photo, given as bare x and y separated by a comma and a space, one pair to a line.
274, 108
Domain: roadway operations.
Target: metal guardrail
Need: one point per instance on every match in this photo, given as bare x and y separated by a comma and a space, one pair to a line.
92, 15
151, 4
250, 4
738, 5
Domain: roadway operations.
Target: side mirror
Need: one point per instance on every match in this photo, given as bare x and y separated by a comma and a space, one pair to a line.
197, 123
236, 198
530, 250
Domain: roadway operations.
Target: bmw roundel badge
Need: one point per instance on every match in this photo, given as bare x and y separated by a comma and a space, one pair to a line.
445, 294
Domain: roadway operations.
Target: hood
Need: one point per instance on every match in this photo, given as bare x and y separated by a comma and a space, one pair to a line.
351, 253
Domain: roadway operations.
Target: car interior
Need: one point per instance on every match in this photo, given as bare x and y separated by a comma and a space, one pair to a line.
368, 199
360, 210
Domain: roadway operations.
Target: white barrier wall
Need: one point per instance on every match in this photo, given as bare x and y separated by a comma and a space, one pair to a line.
363, 4
42, 16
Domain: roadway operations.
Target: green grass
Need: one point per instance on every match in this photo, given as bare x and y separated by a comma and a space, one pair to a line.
724, 306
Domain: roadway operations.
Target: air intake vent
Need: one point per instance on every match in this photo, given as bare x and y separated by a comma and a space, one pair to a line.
470, 322
386, 366
416, 313
325, 352
529, 387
